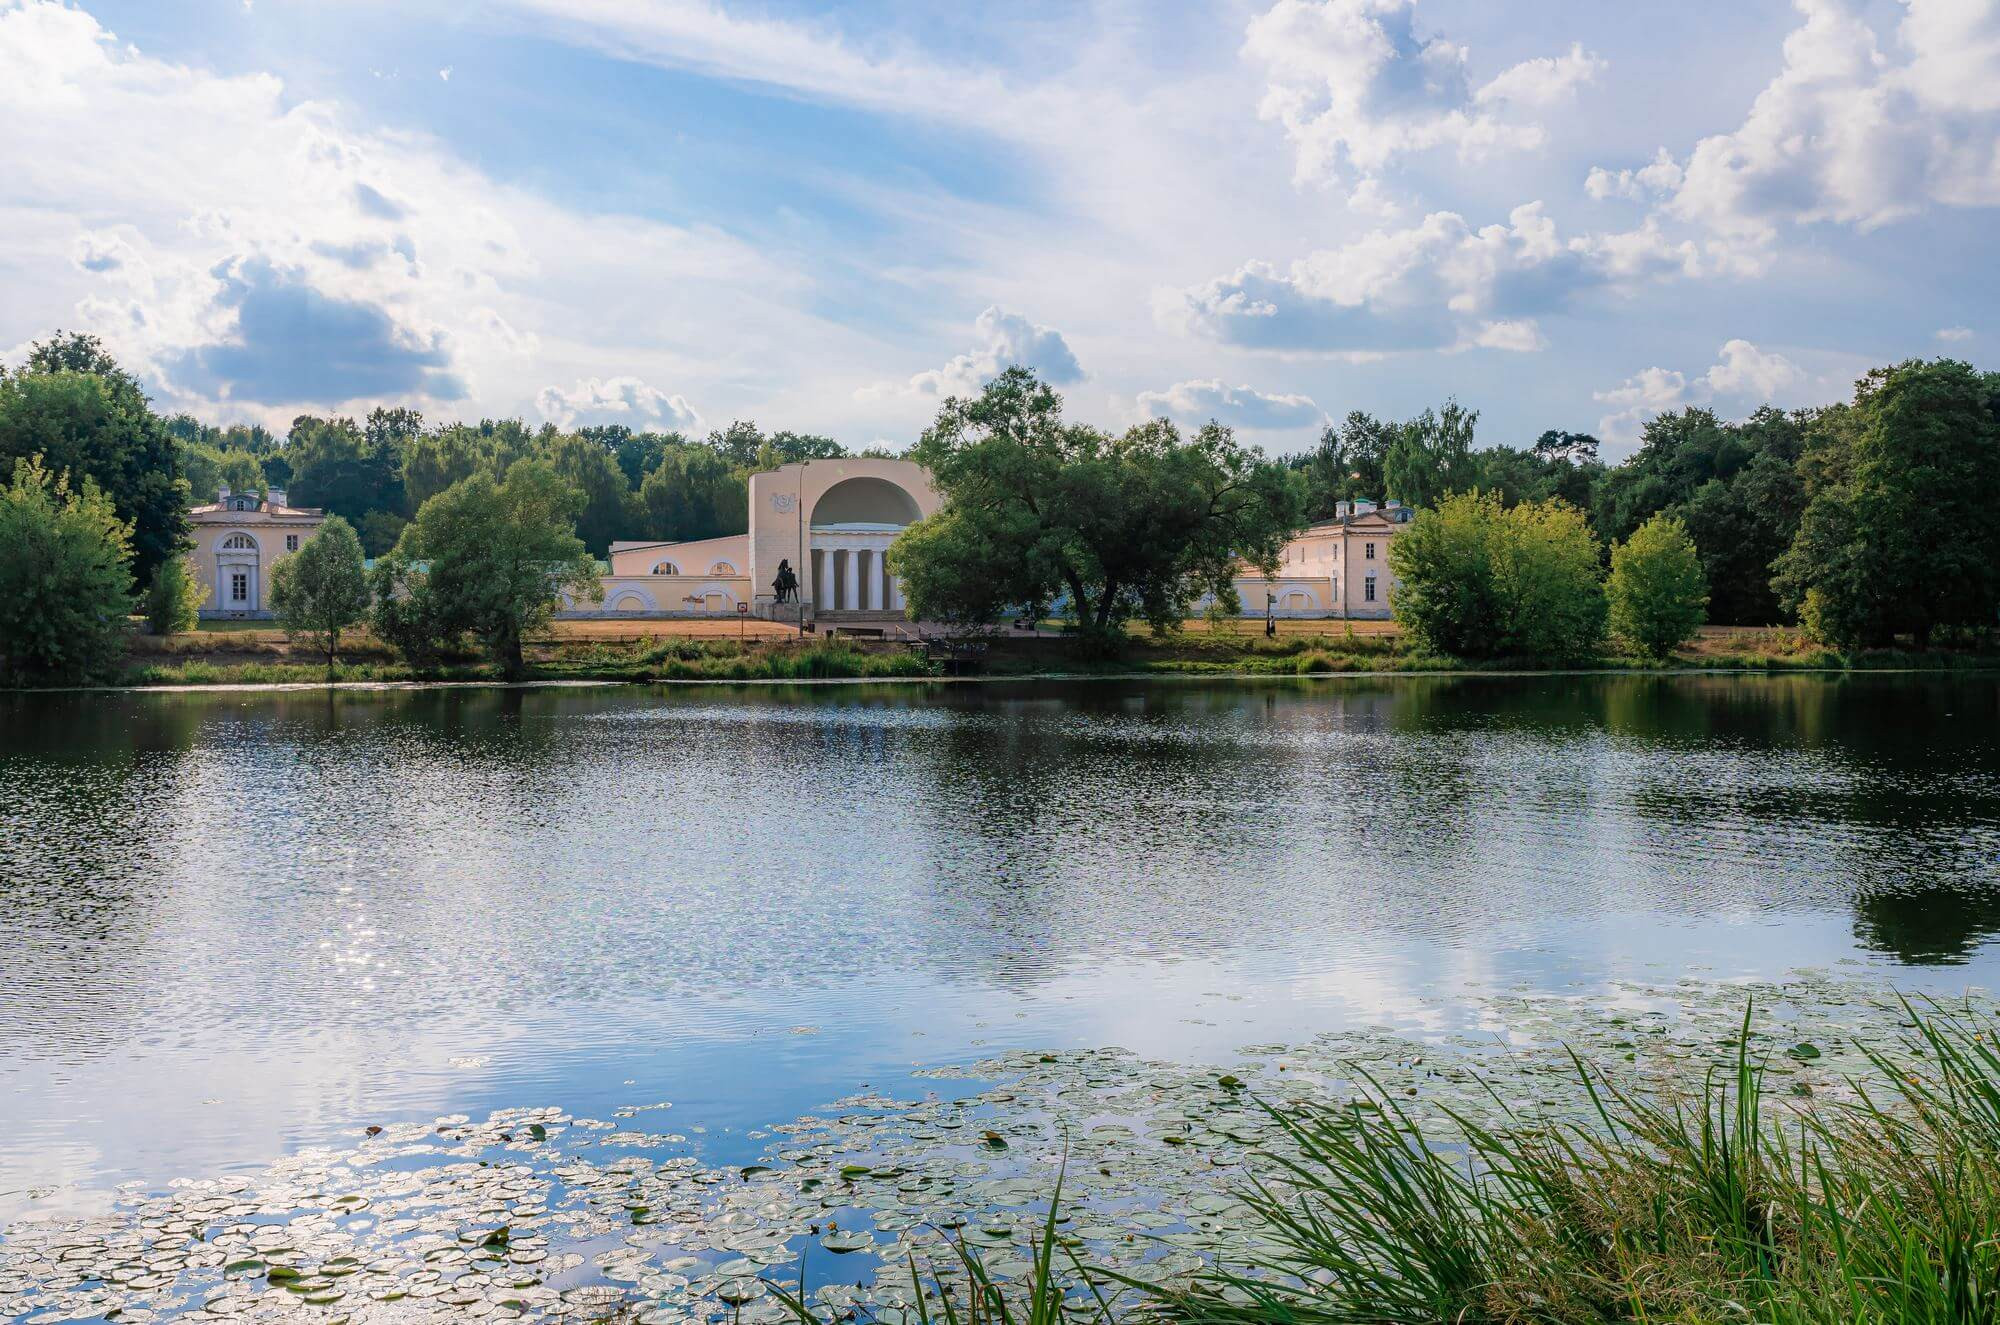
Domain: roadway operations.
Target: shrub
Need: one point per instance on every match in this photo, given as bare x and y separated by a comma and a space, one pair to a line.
1657, 593
65, 578
1482, 580
174, 598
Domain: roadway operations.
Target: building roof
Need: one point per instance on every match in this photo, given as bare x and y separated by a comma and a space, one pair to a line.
223, 512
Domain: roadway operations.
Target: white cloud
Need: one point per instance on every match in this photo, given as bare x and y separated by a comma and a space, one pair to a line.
1655, 180
1197, 402
1741, 372
1357, 85
1005, 340
1435, 285
1548, 81
1849, 131
625, 400
1954, 333
444, 74
1745, 370
201, 222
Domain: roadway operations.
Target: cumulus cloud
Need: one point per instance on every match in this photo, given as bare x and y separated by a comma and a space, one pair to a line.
1954, 333
1357, 84
1198, 402
293, 342
626, 400
1656, 179
1852, 130
1005, 340
1435, 285
246, 215
1741, 372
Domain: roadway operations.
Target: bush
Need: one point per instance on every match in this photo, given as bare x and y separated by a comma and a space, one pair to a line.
174, 598
1481, 580
1657, 593
65, 578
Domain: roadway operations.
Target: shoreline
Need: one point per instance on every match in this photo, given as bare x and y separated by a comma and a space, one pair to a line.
1971, 668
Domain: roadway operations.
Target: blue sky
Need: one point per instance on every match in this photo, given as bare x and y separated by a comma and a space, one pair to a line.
826, 217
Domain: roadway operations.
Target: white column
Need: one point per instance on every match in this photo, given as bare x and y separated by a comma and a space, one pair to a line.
875, 579
896, 593
819, 566
850, 597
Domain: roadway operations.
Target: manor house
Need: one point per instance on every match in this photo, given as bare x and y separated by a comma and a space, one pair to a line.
832, 521
238, 538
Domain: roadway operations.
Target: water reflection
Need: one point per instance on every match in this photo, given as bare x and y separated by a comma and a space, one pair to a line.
307, 904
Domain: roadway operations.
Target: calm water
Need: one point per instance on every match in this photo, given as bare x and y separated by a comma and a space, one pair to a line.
233, 924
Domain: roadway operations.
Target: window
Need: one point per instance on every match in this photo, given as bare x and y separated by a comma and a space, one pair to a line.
1368, 551
665, 568
722, 568
239, 543
239, 586
1368, 590
291, 542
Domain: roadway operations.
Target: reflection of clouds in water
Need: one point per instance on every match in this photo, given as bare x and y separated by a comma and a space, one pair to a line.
228, 886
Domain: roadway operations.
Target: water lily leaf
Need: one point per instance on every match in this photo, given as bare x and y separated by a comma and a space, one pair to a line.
1804, 1051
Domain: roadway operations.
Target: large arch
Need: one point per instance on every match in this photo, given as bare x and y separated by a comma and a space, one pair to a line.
865, 501
626, 599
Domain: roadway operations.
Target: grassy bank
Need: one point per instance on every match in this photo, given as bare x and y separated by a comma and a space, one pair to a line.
1304, 651
657, 660
584, 651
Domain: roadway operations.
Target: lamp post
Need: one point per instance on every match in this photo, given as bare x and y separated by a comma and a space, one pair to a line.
805, 557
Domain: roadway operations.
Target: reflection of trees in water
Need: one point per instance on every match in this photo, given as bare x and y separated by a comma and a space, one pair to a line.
1928, 925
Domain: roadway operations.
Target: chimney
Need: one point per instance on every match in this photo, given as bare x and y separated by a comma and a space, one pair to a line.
1341, 509
274, 497
222, 495
1363, 507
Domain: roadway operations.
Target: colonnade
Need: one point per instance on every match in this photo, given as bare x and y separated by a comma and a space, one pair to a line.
854, 579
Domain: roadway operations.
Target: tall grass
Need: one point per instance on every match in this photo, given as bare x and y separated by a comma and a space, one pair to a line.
1711, 1205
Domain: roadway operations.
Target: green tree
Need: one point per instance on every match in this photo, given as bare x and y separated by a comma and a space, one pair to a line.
610, 509
1038, 509
500, 555
404, 613
174, 598
65, 577
1479, 579
347, 471
1901, 530
1431, 455
322, 589
1657, 593
86, 417
693, 493
1346, 465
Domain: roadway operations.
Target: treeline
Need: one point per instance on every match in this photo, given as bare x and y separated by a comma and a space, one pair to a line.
379, 471
1862, 521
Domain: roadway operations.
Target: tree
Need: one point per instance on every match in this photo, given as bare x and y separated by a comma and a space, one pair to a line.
1479, 579
500, 555
693, 493
1657, 593
1901, 531
405, 614
322, 589
174, 598
1038, 509
72, 405
610, 509
65, 577
335, 464
1430, 456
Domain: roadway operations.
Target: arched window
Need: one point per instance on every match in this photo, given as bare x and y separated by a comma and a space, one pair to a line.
722, 568
239, 543
665, 568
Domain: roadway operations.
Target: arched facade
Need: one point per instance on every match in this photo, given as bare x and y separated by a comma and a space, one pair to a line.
833, 521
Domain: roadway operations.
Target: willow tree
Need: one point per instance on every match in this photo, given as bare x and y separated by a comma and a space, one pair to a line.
1039, 510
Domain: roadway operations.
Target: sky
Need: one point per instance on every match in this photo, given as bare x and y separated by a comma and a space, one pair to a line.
828, 217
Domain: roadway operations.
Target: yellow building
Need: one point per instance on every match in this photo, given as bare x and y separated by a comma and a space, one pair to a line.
1336, 568
830, 522
238, 538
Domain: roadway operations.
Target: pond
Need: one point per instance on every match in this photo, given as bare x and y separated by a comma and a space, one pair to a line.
240, 924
